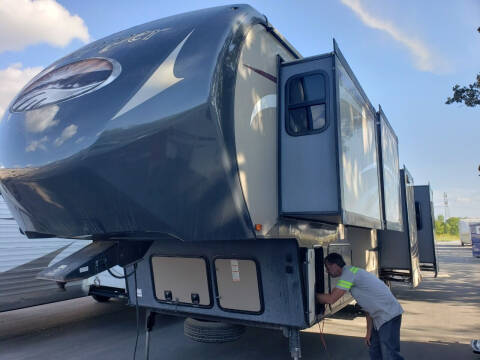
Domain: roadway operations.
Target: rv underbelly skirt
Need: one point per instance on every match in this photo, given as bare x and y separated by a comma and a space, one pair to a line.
257, 281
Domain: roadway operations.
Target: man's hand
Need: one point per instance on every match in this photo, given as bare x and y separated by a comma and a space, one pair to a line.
330, 298
367, 339
369, 330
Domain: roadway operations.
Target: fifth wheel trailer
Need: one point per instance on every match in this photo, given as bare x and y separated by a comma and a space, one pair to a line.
204, 155
466, 227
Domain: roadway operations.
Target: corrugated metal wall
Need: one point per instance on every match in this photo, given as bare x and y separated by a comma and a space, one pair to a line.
21, 259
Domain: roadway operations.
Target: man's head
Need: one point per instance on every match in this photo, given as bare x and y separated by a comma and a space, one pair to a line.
334, 264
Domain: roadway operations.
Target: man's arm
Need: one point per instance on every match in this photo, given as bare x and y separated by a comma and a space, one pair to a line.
369, 330
332, 297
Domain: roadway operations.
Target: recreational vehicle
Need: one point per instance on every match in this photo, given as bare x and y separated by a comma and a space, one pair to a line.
466, 227
207, 157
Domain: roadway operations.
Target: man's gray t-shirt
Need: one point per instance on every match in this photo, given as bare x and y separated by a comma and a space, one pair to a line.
371, 294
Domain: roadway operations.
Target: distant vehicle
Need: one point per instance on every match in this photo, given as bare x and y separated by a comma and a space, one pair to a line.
215, 164
466, 227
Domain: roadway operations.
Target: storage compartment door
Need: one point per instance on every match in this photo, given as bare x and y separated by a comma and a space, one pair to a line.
308, 158
238, 285
181, 280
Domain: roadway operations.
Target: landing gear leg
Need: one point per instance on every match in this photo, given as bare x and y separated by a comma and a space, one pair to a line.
149, 326
294, 343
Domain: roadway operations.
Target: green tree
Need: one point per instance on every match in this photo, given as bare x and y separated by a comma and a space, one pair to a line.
440, 225
453, 225
469, 95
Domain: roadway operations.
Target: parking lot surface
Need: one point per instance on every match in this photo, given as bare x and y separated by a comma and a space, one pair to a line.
441, 317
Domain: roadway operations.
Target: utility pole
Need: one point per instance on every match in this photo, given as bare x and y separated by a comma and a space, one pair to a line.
445, 206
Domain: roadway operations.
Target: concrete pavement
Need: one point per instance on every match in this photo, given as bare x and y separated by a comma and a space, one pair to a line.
441, 316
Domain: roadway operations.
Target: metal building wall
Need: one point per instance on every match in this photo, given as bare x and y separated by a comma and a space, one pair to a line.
21, 259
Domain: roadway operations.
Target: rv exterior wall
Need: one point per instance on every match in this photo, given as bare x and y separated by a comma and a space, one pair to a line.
425, 233
412, 227
364, 248
255, 117
395, 245
399, 249
391, 176
358, 153
308, 173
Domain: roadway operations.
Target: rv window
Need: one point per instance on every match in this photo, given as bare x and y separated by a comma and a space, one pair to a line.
419, 215
306, 104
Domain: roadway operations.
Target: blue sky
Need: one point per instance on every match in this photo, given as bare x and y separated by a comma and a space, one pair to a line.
407, 55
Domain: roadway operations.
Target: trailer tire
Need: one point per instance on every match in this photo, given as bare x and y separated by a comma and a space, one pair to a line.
211, 331
100, 298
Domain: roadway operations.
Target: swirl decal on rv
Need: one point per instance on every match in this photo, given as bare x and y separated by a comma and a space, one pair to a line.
66, 82
162, 78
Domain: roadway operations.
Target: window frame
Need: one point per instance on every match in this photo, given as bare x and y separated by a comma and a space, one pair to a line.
306, 104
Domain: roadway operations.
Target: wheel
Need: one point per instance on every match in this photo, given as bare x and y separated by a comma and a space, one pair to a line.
100, 298
211, 331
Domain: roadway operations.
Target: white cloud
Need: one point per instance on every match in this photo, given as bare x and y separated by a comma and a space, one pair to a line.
67, 133
424, 59
37, 144
41, 119
27, 22
12, 79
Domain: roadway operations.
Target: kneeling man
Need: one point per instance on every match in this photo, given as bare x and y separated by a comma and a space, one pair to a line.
384, 313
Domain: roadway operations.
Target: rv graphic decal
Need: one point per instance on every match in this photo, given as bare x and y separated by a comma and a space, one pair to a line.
266, 102
263, 73
67, 82
161, 79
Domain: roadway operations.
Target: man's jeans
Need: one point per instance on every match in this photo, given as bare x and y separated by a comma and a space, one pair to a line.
385, 343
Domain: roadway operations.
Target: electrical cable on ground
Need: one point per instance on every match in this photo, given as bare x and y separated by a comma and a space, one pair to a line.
136, 309
322, 338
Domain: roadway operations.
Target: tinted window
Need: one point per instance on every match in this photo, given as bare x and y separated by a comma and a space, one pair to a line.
306, 104
419, 215
314, 87
296, 91
298, 120
318, 116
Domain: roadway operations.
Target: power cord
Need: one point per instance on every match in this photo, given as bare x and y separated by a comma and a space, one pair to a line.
136, 309
322, 338
116, 276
